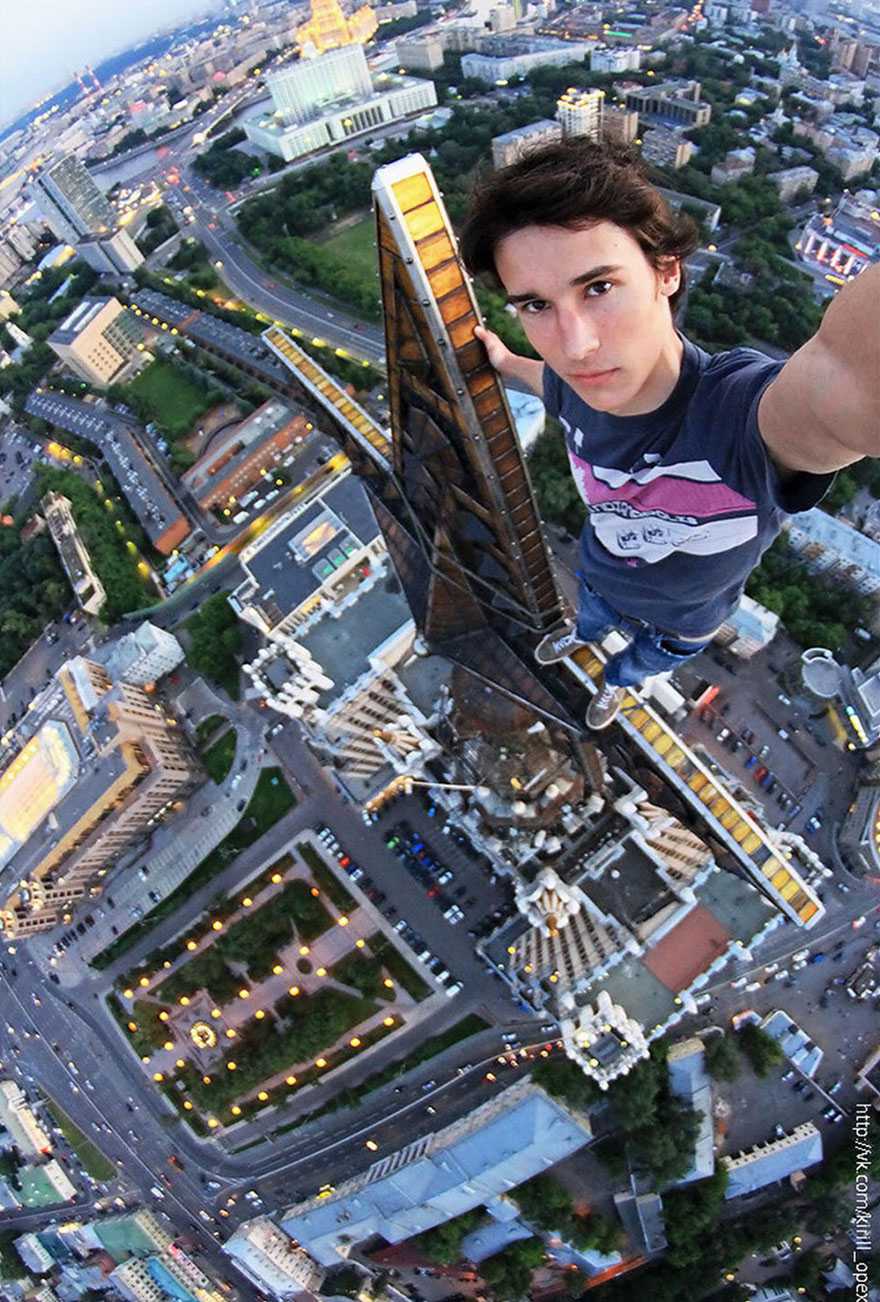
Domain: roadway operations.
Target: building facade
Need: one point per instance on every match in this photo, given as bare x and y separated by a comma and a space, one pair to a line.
580, 112
670, 104
512, 145
621, 58
794, 182
243, 456
71, 202
830, 546
144, 656
620, 125
665, 148
97, 340
87, 587
116, 252
748, 629
93, 767
272, 1260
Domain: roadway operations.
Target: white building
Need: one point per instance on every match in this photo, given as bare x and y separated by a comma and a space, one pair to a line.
144, 656
16, 1115
512, 145
614, 59
493, 69
579, 112
272, 1260
319, 102
830, 546
748, 629
108, 253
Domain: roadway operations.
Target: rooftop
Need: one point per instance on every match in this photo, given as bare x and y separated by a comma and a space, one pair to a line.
502, 1143
767, 1163
296, 561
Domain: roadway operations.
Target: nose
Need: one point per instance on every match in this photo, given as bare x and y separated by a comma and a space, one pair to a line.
578, 336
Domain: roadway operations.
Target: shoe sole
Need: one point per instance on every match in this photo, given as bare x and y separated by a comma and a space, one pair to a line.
600, 727
555, 658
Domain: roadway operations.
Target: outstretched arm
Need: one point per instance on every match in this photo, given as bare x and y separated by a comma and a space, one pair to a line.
822, 412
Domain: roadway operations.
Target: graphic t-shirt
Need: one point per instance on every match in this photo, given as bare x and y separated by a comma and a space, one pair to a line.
683, 501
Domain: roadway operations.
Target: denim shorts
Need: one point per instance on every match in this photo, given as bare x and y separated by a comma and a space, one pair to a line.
650, 651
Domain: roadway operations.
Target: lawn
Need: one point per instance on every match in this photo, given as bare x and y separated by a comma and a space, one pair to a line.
174, 401
209, 726
94, 1161
326, 878
218, 759
356, 246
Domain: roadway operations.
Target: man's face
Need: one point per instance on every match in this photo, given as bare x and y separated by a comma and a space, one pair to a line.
593, 307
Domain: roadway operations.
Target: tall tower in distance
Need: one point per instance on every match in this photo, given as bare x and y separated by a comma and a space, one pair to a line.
71, 202
328, 28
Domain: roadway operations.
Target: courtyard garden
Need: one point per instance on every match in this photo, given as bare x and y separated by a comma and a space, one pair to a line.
264, 994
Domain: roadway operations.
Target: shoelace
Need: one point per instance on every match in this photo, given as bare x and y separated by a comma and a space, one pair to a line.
567, 639
606, 696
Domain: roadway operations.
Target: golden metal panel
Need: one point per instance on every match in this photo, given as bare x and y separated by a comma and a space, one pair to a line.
413, 191
457, 305
445, 279
780, 876
808, 911
791, 889
427, 220
751, 843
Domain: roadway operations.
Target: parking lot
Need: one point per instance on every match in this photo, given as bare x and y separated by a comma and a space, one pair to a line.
404, 883
18, 455
774, 741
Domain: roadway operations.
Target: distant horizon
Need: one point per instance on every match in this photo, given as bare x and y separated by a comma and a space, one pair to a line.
83, 34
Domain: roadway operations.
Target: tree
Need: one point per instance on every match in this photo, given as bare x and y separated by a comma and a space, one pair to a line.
509, 1273
762, 1051
443, 1243
722, 1057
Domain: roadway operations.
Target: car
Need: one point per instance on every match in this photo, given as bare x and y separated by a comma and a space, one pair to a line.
400, 926
818, 957
751, 761
789, 1075
723, 735
799, 1086
428, 1085
838, 1085
778, 1131
783, 698
240, 806
453, 990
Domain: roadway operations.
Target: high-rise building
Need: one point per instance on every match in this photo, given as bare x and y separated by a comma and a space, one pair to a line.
115, 252
91, 768
512, 145
22, 239
16, 1115
671, 104
9, 264
620, 125
665, 148
321, 101
305, 88
71, 202
579, 112
144, 656
96, 340
328, 28
87, 587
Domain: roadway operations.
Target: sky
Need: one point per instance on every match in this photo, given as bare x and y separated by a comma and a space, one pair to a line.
45, 43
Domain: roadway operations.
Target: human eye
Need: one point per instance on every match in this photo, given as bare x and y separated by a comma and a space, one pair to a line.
601, 286
533, 308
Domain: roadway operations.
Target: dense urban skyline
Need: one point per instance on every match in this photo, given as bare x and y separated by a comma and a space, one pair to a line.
36, 66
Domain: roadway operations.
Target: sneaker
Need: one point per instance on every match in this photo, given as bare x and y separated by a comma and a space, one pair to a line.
556, 646
604, 706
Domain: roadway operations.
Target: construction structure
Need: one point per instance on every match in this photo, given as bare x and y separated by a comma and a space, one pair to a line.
452, 497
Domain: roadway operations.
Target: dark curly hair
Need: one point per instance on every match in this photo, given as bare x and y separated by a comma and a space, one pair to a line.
573, 183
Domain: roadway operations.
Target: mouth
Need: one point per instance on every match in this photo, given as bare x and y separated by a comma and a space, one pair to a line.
594, 377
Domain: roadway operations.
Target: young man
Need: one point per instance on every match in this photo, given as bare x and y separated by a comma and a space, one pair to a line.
687, 462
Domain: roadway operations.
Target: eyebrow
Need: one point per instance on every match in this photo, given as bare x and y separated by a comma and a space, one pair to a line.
593, 274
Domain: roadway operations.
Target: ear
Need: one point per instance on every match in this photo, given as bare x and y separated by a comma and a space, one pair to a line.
668, 276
